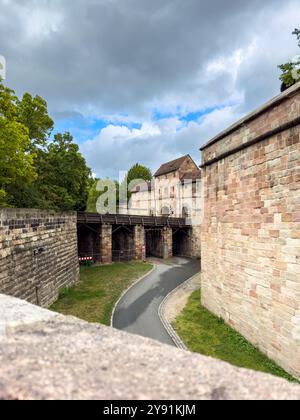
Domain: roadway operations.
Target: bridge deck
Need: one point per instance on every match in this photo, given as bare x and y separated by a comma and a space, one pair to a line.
120, 219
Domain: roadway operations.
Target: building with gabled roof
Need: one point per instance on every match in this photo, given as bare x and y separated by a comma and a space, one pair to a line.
172, 192
175, 191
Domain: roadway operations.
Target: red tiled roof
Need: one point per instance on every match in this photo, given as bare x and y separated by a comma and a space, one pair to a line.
170, 167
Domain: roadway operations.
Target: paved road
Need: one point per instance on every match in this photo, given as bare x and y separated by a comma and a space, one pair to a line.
137, 312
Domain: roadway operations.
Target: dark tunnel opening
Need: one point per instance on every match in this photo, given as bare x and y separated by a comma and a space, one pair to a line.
123, 245
89, 242
154, 243
181, 243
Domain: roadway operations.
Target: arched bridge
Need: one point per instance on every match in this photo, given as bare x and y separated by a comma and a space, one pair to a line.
107, 238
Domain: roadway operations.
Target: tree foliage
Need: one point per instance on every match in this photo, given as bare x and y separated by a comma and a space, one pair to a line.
16, 165
94, 195
138, 172
35, 170
134, 176
291, 70
63, 175
33, 113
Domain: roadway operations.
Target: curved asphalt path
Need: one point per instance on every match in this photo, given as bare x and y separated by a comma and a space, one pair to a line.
137, 312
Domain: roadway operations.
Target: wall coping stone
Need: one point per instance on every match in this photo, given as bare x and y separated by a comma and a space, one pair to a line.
253, 115
49, 356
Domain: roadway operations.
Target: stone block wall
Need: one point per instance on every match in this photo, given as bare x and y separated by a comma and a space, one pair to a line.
74, 360
106, 244
196, 242
140, 244
38, 254
251, 229
167, 243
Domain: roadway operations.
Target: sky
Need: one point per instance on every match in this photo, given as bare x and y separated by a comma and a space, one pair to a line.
146, 80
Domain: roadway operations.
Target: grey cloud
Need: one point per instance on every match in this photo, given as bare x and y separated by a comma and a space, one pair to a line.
117, 148
121, 55
127, 56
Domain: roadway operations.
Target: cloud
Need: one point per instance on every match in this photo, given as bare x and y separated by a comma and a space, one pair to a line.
128, 63
116, 148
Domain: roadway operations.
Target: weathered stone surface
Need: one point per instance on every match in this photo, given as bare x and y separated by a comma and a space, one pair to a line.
64, 358
14, 312
195, 242
250, 234
167, 243
139, 243
106, 244
38, 253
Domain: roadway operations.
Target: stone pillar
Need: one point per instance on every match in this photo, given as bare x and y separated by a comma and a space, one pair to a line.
139, 243
106, 244
167, 243
196, 242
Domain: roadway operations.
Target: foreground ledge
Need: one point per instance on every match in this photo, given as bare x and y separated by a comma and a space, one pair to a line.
48, 356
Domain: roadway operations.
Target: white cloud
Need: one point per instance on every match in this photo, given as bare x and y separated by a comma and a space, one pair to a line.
116, 148
121, 60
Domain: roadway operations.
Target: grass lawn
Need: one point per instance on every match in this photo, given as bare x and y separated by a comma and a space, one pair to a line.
94, 297
204, 333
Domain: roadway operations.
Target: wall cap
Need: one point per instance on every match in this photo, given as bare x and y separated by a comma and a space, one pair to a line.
253, 115
46, 356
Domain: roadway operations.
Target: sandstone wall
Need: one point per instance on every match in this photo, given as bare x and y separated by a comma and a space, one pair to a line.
139, 242
167, 243
106, 244
38, 254
251, 229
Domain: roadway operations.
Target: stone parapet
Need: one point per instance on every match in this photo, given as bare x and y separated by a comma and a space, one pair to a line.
279, 114
106, 244
38, 254
44, 356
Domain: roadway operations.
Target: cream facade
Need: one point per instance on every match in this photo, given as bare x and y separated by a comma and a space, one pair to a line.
175, 191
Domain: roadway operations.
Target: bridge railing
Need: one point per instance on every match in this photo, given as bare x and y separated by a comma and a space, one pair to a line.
121, 219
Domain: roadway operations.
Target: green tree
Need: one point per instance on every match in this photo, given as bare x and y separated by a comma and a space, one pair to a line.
291, 70
8, 103
94, 194
134, 176
16, 164
35, 171
64, 178
33, 113
138, 172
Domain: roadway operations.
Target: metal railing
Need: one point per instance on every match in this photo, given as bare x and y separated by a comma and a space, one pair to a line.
121, 219
123, 256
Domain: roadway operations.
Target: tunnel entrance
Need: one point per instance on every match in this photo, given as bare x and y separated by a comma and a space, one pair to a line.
123, 244
154, 243
182, 242
89, 242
